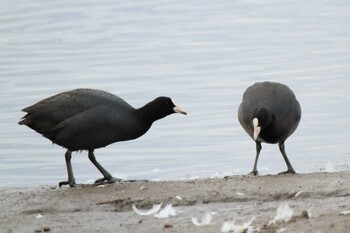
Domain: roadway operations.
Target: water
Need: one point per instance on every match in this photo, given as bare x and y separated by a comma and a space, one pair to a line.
204, 54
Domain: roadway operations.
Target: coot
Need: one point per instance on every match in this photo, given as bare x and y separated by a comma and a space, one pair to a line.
269, 113
87, 119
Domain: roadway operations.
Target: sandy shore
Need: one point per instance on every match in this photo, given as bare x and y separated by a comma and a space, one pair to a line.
317, 200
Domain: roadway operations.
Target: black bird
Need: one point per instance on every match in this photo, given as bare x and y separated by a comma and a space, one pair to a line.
269, 113
87, 119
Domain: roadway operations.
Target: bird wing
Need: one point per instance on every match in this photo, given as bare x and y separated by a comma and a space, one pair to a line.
48, 113
94, 128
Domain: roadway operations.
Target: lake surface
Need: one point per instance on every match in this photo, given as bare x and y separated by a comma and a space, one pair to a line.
203, 54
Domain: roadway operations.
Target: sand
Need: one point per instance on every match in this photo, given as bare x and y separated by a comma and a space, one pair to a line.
319, 201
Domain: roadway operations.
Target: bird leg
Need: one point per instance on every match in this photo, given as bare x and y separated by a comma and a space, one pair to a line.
106, 176
289, 165
71, 179
258, 149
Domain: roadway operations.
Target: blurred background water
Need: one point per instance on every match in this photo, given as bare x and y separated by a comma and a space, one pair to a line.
204, 54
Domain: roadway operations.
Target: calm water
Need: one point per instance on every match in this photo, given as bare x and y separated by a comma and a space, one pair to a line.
204, 54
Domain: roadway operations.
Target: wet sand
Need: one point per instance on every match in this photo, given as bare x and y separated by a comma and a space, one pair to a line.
317, 200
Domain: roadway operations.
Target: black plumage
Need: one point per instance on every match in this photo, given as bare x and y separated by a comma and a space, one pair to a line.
269, 113
87, 119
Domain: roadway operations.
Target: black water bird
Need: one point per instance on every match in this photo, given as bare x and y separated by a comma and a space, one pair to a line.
269, 113
87, 119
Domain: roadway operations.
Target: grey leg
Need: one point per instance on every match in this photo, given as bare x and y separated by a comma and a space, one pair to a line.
289, 165
106, 176
71, 179
258, 149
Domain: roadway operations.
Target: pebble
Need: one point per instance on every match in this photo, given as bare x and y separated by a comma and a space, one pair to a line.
43, 229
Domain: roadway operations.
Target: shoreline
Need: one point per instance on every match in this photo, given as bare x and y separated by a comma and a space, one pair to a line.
319, 201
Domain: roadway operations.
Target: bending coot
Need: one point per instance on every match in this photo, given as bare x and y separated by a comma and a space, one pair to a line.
269, 113
87, 119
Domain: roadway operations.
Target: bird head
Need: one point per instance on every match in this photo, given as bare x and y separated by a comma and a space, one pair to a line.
160, 108
262, 117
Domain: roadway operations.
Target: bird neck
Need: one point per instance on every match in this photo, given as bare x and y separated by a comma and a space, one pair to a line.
149, 113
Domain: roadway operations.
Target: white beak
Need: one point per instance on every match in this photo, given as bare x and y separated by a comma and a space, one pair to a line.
257, 128
178, 109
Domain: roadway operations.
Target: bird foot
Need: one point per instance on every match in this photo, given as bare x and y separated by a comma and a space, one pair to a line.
287, 172
70, 183
253, 173
112, 179
108, 180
